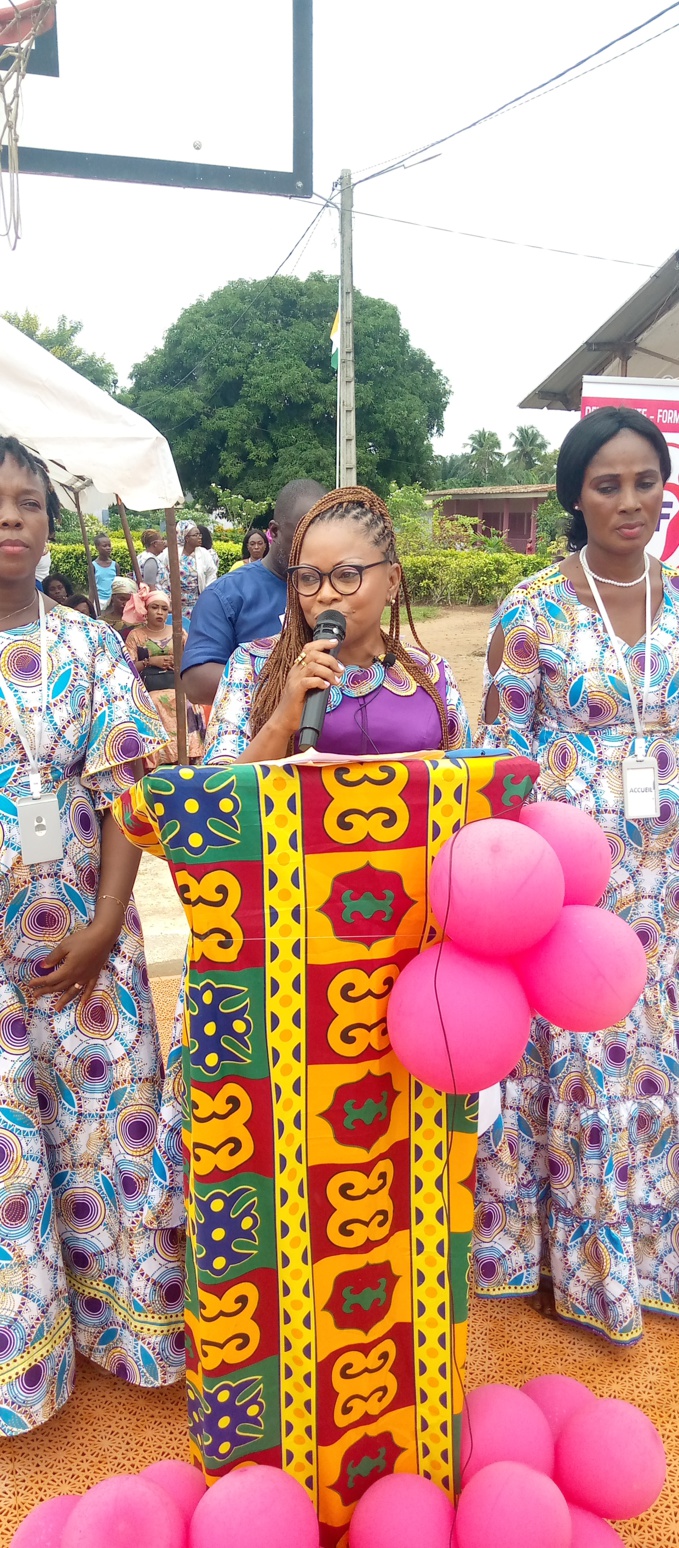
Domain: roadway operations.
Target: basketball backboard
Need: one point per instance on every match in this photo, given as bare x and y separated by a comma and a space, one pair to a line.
210, 94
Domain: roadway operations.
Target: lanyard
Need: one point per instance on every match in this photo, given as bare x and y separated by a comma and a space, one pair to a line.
32, 754
640, 743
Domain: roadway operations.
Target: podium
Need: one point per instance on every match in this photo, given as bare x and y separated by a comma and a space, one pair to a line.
329, 1194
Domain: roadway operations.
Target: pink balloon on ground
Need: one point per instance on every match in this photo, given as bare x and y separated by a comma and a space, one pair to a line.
501, 1424
508, 1505
610, 1459
184, 1484
125, 1512
255, 1507
579, 843
43, 1527
587, 973
558, 1397
456, 1022
402, 1511
496, 888
589, 1531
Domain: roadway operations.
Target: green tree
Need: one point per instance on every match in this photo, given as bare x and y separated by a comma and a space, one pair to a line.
244, 390
486, 459
61, 341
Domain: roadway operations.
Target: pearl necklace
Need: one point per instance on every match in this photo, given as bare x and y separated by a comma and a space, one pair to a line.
605, 579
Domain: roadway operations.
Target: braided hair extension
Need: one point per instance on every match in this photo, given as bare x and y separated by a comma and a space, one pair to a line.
10, 446
367, 510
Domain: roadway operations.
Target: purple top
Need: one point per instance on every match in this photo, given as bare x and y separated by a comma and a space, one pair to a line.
376, 709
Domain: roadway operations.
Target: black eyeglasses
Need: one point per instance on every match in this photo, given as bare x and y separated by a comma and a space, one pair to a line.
344, 578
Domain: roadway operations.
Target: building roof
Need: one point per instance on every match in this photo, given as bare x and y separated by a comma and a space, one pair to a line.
642, 338
494, 492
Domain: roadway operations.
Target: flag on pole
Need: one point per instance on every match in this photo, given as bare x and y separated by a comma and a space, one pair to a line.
334, 342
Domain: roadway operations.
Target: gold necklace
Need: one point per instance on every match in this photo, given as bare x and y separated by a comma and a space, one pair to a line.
23, 609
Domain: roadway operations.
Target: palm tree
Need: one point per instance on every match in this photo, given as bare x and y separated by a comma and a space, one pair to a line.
528, 448
486, 459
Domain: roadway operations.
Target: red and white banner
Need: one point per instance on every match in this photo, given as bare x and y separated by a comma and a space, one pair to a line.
659, 401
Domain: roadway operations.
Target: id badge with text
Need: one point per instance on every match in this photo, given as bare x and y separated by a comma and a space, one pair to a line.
39, 830
640, 788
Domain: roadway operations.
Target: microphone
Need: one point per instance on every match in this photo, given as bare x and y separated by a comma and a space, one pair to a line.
330, 625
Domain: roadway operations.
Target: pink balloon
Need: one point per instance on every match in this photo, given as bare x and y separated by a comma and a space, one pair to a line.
511, 1505
402, 1511
125, 1512
184, 1484
587, 973
501, 1424
458, 1023
590, 1531
496, 888
580, 844
255, 1507
558, 1397
44, 1525
610, 1459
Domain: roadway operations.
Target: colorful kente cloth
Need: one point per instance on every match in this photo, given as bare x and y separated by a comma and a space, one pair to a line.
377, 709
581, 1175
329, 1198
81, 1266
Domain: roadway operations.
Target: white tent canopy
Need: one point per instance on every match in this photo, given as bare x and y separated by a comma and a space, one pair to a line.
92, 445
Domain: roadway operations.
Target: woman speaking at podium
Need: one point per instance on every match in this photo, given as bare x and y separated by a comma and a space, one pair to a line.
385, 697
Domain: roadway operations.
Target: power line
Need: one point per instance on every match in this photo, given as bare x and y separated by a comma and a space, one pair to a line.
525, 96
478, 236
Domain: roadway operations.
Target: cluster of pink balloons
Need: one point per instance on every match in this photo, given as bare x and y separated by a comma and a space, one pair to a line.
516, 902
168, 1506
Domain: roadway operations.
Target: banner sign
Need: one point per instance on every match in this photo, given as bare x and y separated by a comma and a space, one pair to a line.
659, 401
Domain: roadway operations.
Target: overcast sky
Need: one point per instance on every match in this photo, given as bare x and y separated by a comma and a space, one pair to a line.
590, 167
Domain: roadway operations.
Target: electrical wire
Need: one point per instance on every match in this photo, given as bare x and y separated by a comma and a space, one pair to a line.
478, 236
524, 97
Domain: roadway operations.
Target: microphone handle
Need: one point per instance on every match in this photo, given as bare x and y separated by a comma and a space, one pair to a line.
315, 706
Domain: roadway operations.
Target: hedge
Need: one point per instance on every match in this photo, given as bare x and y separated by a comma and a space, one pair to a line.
69, 559
444, 578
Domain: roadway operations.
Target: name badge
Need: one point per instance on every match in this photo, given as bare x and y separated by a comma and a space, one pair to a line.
640, 788
40, 830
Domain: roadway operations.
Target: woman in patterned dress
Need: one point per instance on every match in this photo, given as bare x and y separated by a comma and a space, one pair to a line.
81, 1265
196, 567
579, 1178
385, 697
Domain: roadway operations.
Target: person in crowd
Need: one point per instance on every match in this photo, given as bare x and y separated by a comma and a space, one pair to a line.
82, 604
81, 1266
343, 557
105, 568
122, 589
196, 567
206, 543
149, 644
255, 546
58, 588
43, 566
578, 1191
154, 544
248, 605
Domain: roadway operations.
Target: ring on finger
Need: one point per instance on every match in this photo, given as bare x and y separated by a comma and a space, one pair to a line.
301, 658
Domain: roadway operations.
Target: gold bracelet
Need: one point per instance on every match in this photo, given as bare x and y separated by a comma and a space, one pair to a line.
112, 898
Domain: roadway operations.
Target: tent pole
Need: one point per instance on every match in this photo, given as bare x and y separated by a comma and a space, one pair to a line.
128, 539
94, 594
177, 633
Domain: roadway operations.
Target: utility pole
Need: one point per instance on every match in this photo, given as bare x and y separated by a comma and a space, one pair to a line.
347, 401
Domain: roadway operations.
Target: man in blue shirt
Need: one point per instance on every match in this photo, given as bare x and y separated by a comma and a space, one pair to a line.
249, 603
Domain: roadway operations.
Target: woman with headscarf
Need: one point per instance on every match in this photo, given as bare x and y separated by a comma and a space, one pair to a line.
82, 1263
150, 646
122, 589
196, 567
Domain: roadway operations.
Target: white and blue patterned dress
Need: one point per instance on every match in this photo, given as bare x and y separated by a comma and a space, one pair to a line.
82, 1264
579, 1178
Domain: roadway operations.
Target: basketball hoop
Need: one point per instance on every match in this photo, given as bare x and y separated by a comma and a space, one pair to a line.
20, 25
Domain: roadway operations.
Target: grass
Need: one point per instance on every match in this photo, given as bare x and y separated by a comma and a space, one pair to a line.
420, 614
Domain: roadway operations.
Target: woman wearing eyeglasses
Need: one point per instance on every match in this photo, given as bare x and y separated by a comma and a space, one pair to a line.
385, 697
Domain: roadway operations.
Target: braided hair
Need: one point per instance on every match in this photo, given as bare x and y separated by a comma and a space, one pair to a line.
10, 446
368, 511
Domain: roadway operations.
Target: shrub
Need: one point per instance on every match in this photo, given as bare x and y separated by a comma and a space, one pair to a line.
69, 559
469, 577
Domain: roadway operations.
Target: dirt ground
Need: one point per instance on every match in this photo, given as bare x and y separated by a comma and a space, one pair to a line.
460, 633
